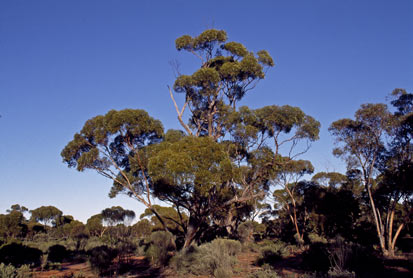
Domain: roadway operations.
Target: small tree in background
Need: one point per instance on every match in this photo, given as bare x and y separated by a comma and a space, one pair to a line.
47, 215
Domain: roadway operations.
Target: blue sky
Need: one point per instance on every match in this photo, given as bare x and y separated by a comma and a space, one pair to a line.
63, 62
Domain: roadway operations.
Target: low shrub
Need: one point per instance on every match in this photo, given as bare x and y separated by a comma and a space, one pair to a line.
315, 238
160, 245
208, 259
250, 247
53, 266
228, 246
9, 271
222, 273
272, 253
336, 273
264, 273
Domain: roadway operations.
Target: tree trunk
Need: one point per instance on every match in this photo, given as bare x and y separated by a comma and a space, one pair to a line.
393, 243
300, 236
193, 228
378, 223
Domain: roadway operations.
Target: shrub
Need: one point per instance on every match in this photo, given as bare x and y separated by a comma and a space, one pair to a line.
315, 238
18, 254
100, 259
264, 273
208, 259
53, 266
250, 247
316, 258
23, 272
92, 243
161, 243
57, 253
79, 274
228, 246
335, 273
272, 253
9, 271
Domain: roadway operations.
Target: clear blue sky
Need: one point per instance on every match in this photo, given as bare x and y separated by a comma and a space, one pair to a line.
63, 62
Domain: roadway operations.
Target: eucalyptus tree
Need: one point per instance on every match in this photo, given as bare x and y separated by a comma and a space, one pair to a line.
288, 197
48, 215
225, 157
174, 220
117, 215
395, 189
252, 138
113, 146
378, 143
95, 225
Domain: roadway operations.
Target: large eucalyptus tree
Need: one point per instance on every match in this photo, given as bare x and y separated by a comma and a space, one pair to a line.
227, 155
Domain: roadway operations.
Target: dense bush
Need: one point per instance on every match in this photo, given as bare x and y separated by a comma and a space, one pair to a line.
18, 254
57, 253
341, 259
161, 243
100, 259
208, 259
272, 253
316, 258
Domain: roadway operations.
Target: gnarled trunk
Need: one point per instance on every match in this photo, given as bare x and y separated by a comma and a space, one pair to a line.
191, 231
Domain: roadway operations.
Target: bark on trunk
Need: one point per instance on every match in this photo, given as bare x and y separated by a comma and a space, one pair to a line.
377, 220
193, 227
393, 243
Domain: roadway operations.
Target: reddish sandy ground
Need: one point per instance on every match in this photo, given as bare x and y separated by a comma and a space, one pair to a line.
289, 267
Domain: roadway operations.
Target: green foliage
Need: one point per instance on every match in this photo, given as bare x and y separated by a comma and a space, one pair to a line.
236, 48
111, 145
205, 259
52, 266
221, 272
95, 225
173, 220
264, 273
116, 215
9, 271
332, 179
93, 242
315, 238
46, 214
249, 231
11, 225
100, 259
273, 252
250, 247
160, 245
142, 228
23, 272
286, 118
